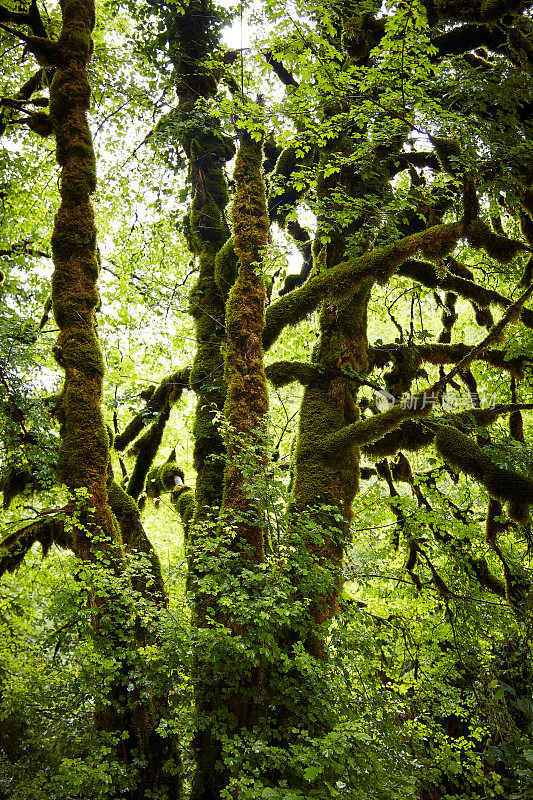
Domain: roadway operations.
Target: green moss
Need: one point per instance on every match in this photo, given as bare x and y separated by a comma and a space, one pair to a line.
15, 479
464, 454
41, 123
440, 244
411, 436
169, 391
185, 504
509, 485
69, 89
146, 448
283, 372
283, 195
120, 501
519, 512
461, 452
449, 155
164, 478
226, 263
502, 249
486, 578
80, 350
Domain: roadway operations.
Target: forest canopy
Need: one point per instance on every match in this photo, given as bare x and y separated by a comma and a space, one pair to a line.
266, 370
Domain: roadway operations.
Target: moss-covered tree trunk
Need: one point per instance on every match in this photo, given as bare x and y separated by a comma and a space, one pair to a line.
227, 696
84, 450
326, 481
83, 461
247, 396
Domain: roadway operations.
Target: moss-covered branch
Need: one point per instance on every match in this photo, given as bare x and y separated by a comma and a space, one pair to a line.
363, 432
346, 277
47, 531
442, 353
425, 273
467, 456
283, 372
146, 447
148, 579
169, 391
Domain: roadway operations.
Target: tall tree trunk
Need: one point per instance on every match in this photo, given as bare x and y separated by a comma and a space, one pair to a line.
83, 462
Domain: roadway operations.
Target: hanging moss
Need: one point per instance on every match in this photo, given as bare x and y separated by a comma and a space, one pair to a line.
406, 363
458, 268
14, 548
15, 480
464, 454
526, 226
41, 123
425, 273
502, 249
449, 155
486, 578
494, 524
483, 316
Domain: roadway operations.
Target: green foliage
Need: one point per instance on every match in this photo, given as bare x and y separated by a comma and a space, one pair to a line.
381, 646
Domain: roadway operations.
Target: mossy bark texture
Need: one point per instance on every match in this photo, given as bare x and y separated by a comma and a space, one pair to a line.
84, 451
83, 454
247, 397
192, 35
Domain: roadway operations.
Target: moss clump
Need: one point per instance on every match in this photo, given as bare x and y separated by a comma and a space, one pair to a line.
164, 478
449, 155
41, 123
502, 249
147, 393
486, 578
464, 454
120, 501
440, 244
483, 316
16, 478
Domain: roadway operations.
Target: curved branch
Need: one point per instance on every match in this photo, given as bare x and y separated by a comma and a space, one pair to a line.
424, 272
346, 277
47, 532
169, 390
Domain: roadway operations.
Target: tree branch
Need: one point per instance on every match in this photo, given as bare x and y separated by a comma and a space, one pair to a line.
347, 276
169, 390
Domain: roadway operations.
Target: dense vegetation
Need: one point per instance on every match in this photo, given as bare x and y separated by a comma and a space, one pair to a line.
265, 374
